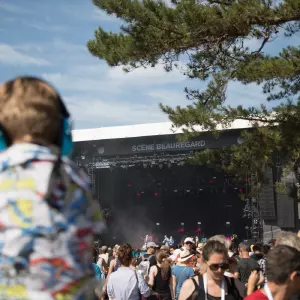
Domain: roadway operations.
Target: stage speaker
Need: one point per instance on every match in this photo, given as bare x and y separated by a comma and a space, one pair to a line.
285, 211
267, 199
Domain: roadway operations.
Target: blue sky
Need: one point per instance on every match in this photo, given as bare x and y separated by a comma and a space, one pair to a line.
48, 39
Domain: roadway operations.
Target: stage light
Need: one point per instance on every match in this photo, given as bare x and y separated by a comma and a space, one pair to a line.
175, 190
129, 185
157, 224
188, 191
241, 190
138, 194
211, 181
199, 223
156, 194
82, 156
182, 224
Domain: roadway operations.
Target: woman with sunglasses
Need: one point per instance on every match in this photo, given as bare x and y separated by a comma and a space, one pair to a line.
213, 284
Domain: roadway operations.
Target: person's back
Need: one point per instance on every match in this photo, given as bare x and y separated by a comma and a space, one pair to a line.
124, 284
181, 273
246, 264
162, 285
46, 229
245, 267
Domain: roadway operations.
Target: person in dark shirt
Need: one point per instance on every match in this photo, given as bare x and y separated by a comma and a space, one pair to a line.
246, 264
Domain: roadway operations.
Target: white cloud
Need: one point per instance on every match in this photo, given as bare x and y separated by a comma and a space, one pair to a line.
105, 112
168, 97
47, 27
99, 77
77, 83
246, 95
101, 15
141, 76
66, 47
10, 56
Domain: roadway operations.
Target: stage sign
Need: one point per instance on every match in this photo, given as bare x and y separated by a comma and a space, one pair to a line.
193, 145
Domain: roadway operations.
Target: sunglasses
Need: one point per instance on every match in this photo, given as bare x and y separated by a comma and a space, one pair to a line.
215, 267
189, 243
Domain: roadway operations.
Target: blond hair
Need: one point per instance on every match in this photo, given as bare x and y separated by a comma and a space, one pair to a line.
287, 238
222, 239
30, 111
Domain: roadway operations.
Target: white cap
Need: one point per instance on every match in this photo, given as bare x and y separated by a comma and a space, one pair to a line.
189, 239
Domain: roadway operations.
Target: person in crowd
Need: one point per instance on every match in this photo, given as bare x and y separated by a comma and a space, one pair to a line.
148, 259
48, 216
113, 267
187, 244
160, 277
165, 248
246, 264
222, 239
272, 243
181, 271
283, 275
172, 249
288, 239
104, 254
102, 261
259, 257
232, 260
213, 284
97, 270
126, 283
266, 249
115, 263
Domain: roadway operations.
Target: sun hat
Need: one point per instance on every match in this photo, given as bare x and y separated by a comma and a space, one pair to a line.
185, 255
189, 239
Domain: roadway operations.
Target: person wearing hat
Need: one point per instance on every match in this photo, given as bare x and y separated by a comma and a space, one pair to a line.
182, 271
187, 244
150, 255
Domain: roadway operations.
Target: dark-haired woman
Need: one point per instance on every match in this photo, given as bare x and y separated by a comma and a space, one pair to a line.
160, 277
126, 283
212, 285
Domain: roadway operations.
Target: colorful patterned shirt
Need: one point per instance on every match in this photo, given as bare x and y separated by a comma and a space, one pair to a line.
47, 222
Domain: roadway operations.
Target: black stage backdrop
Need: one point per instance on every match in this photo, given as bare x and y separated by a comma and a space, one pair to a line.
158, 200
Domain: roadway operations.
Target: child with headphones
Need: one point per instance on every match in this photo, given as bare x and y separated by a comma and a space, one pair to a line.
47, 214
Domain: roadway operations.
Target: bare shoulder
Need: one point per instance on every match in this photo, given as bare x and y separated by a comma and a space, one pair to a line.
153, 269
188, 288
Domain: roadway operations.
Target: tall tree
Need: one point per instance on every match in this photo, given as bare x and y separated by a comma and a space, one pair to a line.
212, 37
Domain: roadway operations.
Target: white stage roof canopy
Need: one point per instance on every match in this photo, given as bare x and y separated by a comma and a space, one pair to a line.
140, 130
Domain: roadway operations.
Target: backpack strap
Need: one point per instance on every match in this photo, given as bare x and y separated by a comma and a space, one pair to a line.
198, 292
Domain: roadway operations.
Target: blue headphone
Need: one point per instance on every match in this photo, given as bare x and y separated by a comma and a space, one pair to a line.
65, 138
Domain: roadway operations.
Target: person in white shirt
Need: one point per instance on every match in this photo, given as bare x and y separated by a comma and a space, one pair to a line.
126, 283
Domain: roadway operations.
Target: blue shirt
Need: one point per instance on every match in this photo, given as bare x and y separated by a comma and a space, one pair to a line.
97, 271
182, 273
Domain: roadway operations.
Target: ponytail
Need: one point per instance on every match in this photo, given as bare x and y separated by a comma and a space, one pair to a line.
162, 258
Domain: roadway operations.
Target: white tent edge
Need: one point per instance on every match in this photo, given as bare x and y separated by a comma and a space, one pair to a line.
142, 130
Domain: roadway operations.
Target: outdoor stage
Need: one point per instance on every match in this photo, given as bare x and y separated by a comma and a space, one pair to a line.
141, 179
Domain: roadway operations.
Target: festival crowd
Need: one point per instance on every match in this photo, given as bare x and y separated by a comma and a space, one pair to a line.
48, 221
206, 271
